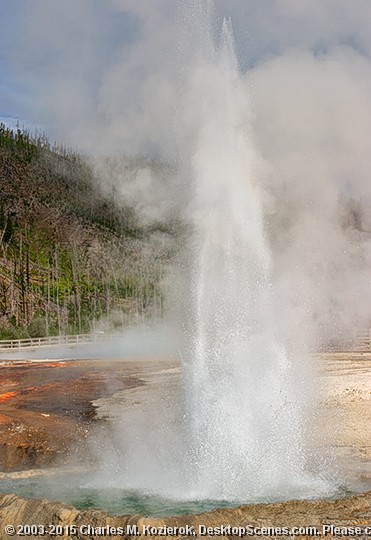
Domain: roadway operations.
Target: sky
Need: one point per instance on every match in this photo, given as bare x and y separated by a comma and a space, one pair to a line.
78, 66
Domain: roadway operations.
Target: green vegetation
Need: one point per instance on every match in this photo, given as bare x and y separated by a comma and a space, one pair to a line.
71, 257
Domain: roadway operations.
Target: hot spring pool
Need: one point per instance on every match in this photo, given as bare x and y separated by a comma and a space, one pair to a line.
77, 490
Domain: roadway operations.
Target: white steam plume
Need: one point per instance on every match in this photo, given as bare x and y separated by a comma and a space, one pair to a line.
308, 75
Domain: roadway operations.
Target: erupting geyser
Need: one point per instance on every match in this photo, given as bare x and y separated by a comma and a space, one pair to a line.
264, 208
245, 403
240, 431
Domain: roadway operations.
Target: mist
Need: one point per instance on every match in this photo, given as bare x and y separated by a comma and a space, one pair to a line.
107, 78
304, 75
138, 342
312, 116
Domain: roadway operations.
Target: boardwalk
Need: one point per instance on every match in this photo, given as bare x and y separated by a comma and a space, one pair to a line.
51, 341
361, 343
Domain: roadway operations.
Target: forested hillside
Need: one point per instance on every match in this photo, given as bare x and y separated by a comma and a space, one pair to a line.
72, 258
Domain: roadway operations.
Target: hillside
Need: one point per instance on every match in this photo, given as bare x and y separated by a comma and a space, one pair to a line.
72, 257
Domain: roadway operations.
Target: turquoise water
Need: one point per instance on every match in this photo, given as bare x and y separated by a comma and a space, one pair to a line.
114, 501
75, 490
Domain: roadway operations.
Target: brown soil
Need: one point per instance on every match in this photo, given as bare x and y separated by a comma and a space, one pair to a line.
46, 408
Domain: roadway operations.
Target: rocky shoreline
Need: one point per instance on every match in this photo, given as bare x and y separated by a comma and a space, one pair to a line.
346, 514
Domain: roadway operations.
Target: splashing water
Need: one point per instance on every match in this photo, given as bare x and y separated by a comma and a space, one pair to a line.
245, 402
240, 432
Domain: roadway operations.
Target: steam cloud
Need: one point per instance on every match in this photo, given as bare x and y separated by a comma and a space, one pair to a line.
306, 72
105, 77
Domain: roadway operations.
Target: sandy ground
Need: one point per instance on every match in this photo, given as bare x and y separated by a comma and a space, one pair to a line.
345, 385
342, 426
50, 409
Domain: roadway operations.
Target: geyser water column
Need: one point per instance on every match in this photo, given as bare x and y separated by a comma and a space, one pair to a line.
239, 433
245, 407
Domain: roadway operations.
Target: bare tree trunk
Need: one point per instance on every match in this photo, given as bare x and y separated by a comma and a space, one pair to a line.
56, 259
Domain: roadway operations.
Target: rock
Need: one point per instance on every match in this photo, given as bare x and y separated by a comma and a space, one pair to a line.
348, 512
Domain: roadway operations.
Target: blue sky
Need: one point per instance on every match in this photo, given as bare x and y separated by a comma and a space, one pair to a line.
87, 63
23, 20
10, 91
